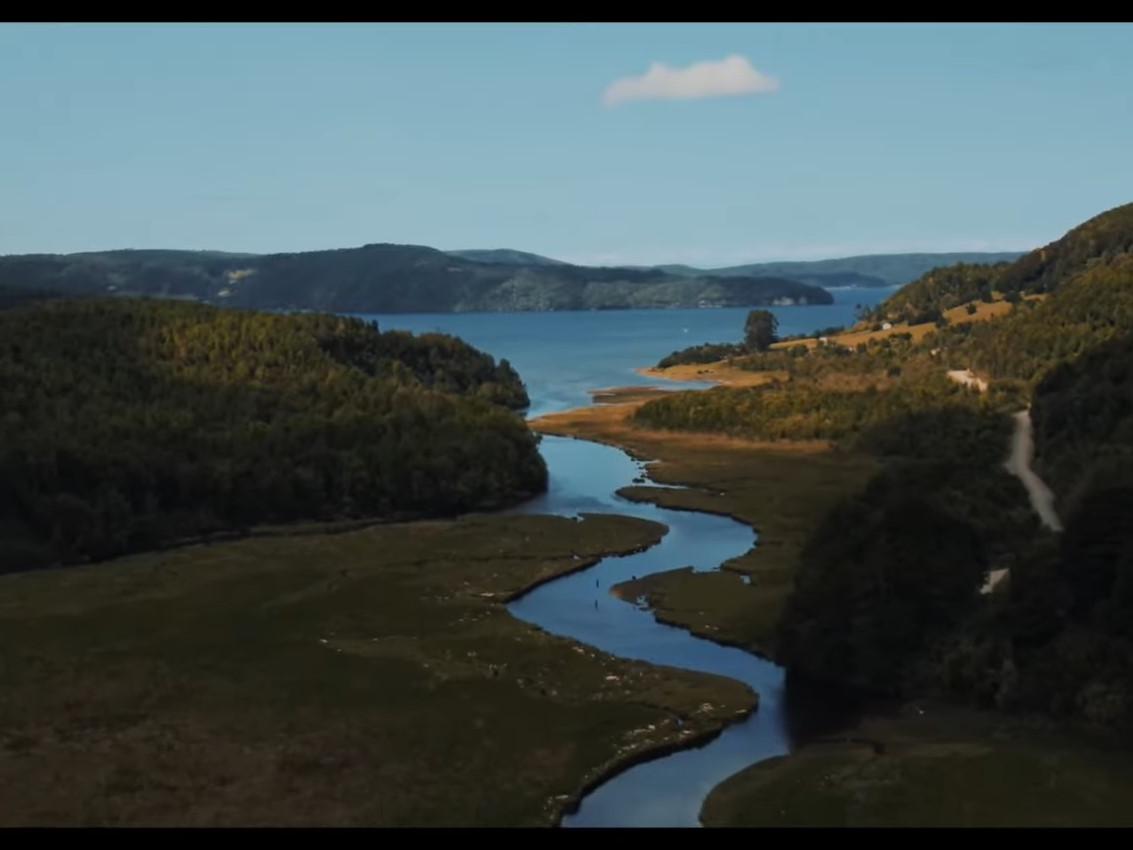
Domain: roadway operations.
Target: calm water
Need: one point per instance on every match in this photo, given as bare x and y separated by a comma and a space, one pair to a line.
561, 356
668, 791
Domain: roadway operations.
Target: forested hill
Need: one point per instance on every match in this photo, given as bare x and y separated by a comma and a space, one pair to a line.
506, 255
1103, 239
867, 270
887, 591
387, 278
128, 423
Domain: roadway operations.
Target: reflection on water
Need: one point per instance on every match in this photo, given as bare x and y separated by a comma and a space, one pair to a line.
670, 790
561, 358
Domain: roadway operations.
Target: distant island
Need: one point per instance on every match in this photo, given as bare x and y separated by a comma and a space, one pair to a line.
387, 278
866, 271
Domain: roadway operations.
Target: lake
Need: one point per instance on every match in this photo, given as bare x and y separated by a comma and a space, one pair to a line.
563, 355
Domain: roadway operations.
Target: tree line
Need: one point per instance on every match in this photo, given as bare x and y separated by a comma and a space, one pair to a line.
129, 423
886, 595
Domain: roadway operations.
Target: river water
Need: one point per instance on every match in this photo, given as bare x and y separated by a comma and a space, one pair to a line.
668, 791
561, 357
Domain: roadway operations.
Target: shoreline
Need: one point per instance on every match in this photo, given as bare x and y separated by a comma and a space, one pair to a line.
779, 489
719, 373
695, 741
600, 422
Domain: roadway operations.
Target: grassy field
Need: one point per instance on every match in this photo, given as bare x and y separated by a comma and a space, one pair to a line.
945, 767
780, 489
956, 316
366, 678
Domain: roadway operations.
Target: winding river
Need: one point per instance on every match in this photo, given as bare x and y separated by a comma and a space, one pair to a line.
562, 356
670, 790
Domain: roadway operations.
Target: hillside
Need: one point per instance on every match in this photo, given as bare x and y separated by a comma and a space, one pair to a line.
1089, 308
939, 290
1083, 419
502, 256
887, 590
868, 270
387, 279
1099, 241
130, 423
1103, 238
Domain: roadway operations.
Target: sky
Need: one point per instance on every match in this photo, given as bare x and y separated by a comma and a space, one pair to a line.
611, 143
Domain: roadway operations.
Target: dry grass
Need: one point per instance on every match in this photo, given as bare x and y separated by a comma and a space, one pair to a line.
956, 315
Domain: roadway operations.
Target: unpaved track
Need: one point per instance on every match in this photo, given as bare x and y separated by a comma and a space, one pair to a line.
1019, 465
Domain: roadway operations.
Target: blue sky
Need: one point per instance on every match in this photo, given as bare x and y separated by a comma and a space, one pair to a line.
869, 139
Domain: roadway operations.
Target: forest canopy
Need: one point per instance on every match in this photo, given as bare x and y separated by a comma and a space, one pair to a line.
886, 594
128, 423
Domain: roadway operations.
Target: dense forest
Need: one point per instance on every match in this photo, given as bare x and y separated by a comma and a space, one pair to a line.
831, 394
1083, 417
886, 594
1058, 641
506, 255
1061, 641
797, 412
1091, 307
1100, 241
127, 423
391, 279
941, 289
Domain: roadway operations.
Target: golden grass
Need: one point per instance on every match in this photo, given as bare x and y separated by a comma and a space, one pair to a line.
852, 338
956, 315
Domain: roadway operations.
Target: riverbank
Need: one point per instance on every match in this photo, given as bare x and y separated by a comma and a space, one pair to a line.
720, 372
932, 765
929, 765
781, 489
371, 677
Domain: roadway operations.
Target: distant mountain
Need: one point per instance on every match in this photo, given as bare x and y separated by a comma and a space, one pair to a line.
867, 270
678, 268
386, 278
505, 256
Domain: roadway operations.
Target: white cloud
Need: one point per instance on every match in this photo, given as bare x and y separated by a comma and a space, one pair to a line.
727, 77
